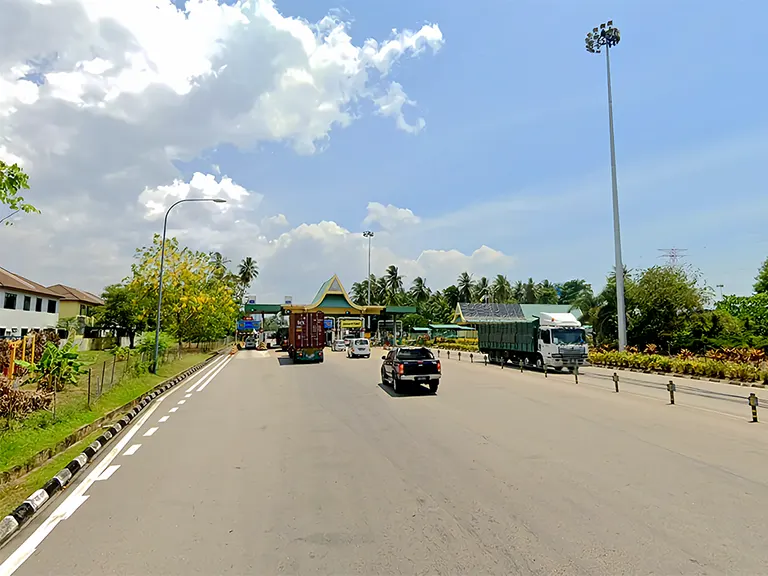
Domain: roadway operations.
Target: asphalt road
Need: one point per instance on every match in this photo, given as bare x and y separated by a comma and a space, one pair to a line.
281, 469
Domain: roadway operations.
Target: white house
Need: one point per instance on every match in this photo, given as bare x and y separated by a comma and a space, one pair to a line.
25, 305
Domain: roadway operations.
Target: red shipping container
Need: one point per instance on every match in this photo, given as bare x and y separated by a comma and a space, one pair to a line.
306, 330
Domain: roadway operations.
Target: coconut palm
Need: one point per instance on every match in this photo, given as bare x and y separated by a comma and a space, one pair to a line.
394, 281
465, 286
248, 271
482, 290
501, 290
518, 292
219, 263
419, 291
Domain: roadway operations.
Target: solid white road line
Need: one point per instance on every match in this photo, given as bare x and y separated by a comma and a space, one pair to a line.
163, 419
151, 431
73, 501
173, 409
132, 450
212, 376
108, 472
204, 373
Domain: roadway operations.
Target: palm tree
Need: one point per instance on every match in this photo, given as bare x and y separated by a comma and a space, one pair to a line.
465, 286
420, 292
219, 263
529, 292
379, 288
248, 271
482, 290
360, 292
394, 281
518, 292
501, 290
546, 293
451, 296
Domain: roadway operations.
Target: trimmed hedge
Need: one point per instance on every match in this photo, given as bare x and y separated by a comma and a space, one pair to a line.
705, 367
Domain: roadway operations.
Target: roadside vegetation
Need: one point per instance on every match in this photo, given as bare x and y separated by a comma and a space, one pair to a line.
55, 389
673, 317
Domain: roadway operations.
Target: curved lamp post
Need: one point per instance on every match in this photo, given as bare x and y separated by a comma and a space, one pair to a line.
162, 261
607, 36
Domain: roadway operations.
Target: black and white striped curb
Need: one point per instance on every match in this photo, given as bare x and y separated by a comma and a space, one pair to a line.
22, 514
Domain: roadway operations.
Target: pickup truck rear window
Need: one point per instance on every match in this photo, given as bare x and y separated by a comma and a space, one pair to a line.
415, 354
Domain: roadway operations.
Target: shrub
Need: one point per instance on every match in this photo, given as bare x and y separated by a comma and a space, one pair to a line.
684, 363
120, 353
15, 404
56, 368
146, 344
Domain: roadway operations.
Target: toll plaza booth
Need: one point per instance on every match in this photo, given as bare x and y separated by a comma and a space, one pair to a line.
342, 316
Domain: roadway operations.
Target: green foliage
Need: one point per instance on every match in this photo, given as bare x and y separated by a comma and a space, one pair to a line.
56, 368
572, 290
12, 181
761, 280
683, 364
751, 310
121, 310
146, 344
200, 301
120, 353
414, 320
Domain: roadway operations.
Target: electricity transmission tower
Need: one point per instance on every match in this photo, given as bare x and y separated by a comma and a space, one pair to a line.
673, 255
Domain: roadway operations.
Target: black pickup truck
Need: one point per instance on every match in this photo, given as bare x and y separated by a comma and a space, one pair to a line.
406, 367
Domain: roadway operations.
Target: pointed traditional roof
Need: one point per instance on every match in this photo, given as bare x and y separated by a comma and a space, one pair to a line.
332, 298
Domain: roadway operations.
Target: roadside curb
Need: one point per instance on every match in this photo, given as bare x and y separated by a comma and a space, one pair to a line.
27, 509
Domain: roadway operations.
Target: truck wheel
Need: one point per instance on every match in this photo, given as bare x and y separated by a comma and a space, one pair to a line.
383, 377
433, 387
539, 362
397, 386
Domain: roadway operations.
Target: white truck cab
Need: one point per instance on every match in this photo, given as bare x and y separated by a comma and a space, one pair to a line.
562, 341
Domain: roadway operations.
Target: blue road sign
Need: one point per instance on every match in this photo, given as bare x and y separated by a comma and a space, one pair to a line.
328, 323
244, 325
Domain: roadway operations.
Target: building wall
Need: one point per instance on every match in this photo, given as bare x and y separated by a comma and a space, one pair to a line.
19, 318
69, 309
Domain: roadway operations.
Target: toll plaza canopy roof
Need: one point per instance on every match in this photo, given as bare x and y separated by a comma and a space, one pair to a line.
332, 299
487, 313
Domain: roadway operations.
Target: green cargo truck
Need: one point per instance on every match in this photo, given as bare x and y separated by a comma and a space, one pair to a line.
555, 340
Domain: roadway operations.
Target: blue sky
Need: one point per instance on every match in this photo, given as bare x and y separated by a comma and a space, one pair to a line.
515, 107
514, 154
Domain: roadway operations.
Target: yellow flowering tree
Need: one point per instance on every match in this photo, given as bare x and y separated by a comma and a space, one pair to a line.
198, 302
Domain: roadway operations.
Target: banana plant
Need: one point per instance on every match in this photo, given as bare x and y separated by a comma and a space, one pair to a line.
56, 368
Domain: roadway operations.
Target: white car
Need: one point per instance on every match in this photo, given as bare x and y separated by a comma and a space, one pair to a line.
339, 346
359, 347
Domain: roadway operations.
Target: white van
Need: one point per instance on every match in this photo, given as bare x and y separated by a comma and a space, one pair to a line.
359, 347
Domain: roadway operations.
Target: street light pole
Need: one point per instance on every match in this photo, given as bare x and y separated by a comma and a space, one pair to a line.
607, 36
162, 262
369, 234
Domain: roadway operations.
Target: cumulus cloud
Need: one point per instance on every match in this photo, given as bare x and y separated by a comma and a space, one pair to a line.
102, 100
389, 217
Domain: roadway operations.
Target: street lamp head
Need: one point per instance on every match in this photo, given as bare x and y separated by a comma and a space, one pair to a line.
367, 234
219, 200
603, 36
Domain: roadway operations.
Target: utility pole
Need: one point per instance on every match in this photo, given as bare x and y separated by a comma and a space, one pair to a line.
368, 234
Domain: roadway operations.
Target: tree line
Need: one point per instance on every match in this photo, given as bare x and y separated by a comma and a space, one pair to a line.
202, 297
668, 307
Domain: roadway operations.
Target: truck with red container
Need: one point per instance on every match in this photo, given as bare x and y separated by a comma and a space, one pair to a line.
306, 336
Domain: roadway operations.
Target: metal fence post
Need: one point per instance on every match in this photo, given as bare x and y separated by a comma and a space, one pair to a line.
616, 381
103, 373
112, 378
89, 388
753, 404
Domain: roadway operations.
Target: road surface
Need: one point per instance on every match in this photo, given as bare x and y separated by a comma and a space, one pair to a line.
279, 469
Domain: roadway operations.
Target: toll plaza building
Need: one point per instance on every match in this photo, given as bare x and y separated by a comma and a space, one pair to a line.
342, 315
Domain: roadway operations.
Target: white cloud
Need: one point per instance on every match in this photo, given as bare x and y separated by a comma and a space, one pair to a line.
391, 104
389, 217
158, 200
102, 99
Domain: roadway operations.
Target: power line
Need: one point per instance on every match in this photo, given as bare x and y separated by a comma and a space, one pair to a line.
673, 255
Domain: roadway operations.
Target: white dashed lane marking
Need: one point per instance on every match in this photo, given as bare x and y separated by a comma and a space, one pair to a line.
151, 431
164, 419
188, 396
181, 402
132, 450
108, 472
173, 409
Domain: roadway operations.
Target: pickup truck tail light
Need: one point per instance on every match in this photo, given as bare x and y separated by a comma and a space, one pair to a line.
439, 367
400, 369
